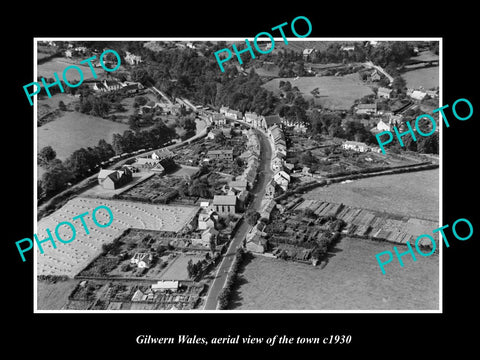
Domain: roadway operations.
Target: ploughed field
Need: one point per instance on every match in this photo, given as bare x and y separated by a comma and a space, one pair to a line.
69, 259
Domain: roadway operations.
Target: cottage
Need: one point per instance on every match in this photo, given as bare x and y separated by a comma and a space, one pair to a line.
355, 146
250, 117
150, 164
224, 154
381, 126
142, 260
225, 204
384, 93
282, 179
218, 119
375, 76
277, 164
139, 296
267, 208
239, 185
132, 59
307, 52
272, 120
114, 179
254, 241
234, 114
418, 95
207, 218
270, 190
214, 134
209, 235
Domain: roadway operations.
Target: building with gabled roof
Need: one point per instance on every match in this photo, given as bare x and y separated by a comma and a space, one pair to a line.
142, 260
114, 179
384, 92
225, 204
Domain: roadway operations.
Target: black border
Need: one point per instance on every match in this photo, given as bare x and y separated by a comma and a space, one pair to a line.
379, 334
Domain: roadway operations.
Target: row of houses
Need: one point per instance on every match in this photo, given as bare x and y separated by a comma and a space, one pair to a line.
113, 85
280, 178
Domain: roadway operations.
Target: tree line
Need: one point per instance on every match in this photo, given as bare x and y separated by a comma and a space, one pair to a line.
81, 163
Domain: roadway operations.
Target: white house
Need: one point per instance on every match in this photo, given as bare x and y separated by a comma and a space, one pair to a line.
418, 95
355, 146
282, 179
142, 260
132, 59
162, 285
381, 126
384, 92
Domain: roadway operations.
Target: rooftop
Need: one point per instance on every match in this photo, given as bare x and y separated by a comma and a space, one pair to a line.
224, 200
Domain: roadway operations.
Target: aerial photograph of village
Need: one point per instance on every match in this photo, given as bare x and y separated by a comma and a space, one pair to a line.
260, 188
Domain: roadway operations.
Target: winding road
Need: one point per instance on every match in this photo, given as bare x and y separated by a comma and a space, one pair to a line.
264, 175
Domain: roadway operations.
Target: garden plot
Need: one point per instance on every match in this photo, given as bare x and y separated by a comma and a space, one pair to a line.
69, 259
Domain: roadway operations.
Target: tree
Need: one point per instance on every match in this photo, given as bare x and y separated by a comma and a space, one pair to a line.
213, 244
46, 155
399, 83
61, 106
252, 217
190, 268
79, 163
55, 178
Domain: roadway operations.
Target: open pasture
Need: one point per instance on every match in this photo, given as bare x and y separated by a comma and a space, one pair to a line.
350, 280
336, 92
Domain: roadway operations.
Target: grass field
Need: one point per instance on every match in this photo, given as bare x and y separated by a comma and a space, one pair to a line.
69, 259
426, 77
52, 296
336, 92
75, 130
57, 65
351, 280
413, 194
177, 270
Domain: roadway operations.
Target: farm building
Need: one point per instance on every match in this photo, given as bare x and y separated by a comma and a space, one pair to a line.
225, 204
162, 285
114, 179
